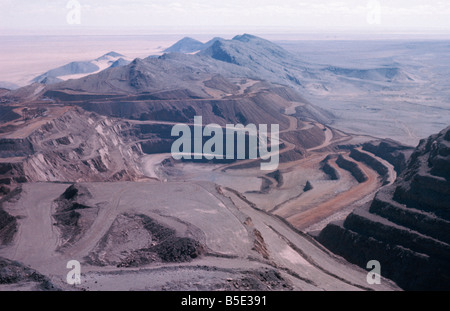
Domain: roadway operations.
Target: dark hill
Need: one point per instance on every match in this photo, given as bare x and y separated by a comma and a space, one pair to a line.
119, 63
190, 45
256, 87
185, 45
110, 55
267, 60
167, 72
69, 69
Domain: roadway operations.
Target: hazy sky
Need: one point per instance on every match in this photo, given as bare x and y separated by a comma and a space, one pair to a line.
207, 16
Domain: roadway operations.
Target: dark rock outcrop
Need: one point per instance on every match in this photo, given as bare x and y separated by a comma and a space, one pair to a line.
407, 225
328, 169
134, 240
308, 186
391, 151
189, 45
352, 167
372, 162
15, 273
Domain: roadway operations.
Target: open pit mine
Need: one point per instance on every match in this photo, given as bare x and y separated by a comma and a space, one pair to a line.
87, 174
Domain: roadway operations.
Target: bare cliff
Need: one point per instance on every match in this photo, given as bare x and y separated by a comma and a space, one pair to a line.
77, 146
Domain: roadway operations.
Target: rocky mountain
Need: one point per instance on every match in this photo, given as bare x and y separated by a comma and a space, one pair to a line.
407, 226
120, 62
340, 79
189, 45
244, 56
80, 68
273, 63
199, 82
267, 60
167, 72
69, 69
109, 56
177, 76
185, 45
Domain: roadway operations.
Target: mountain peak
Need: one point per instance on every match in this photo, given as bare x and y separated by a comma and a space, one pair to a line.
120, 62
215, 39
249, 51
245, 37
190, 45
137, 61
113, 54
188, 39
185, 45
109, 55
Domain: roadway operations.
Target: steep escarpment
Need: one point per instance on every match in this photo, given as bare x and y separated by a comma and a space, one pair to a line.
425, 183
407, 225
391, 151
77, 146
15, 147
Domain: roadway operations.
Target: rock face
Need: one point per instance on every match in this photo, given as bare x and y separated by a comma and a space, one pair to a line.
77, 146
391, 151
407, 226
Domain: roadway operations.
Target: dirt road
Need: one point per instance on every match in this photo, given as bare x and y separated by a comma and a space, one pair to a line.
315, 214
